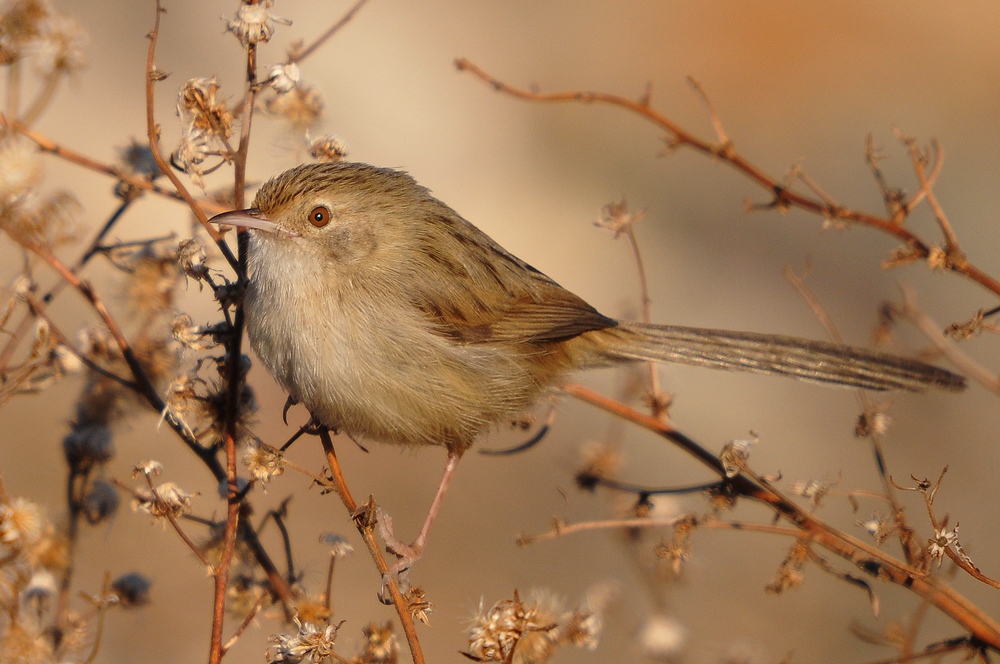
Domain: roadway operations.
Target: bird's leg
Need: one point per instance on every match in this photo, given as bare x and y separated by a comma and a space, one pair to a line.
407, 554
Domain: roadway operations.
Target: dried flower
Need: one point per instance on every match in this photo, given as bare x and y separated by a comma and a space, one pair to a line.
42, 586
21, 524
187, 334
339, 547
735, 454
283, 78
59, 45
938, 545
790, 571
879, 527
616, 218
19, 25
41, 220
101, 502
167, 499
149, 468
190, 154
88, 444
132, 589
254, 24
310, 644
300, 107
380, 645
191, 256
20, 167
678, 549
527, 633
137, 159
814, 490
328, 148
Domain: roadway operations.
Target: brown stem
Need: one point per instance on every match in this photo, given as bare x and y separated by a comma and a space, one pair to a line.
782, 197
332, 30
153, 134
867, 558
368, 535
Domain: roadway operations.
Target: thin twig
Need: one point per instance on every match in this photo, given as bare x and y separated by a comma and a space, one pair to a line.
867, 558
783, 198
332, 30
153, 135
905, 532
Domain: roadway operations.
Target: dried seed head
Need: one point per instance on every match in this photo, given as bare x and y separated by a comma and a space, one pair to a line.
380, 645
254, 24
263, 462
301, 107
101, 502
283, 78
167, 499
310, 644
89, 444
339, 547
19, 25
132, 589
59, 45
137, 159
328, 148
22, 524
20, 167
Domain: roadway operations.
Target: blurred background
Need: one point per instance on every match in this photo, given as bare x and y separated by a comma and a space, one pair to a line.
793, 83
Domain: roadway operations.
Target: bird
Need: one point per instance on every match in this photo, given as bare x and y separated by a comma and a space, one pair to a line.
393, 319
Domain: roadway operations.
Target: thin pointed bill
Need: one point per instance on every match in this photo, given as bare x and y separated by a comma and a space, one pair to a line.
251, 218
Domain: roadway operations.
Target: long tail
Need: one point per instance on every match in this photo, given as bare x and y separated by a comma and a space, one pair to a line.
816, 361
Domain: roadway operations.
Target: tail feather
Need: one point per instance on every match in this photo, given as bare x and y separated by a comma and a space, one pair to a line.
816, 361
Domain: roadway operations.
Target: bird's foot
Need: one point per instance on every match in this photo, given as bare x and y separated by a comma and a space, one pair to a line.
406, 555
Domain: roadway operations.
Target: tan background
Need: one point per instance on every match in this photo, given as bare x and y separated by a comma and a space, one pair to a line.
791, 80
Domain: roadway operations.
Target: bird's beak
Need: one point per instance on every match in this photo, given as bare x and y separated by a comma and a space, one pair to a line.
251, 218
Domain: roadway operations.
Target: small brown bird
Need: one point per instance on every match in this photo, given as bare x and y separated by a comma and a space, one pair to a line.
392, 318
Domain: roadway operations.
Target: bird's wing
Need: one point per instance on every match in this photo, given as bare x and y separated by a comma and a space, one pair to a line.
476, 292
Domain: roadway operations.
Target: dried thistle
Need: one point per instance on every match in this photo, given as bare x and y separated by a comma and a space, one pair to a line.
254, 24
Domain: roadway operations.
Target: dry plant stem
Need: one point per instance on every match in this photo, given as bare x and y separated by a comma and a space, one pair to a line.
560, 529
656, 402
961, 562
177, 527
153, 134
22, 327
331, 31
42, 100
368, 535
783, 197
278, 585
234, 377
50, 146
936, 651
102, 609
246, 623
926, 184
144, 387
867, 558
930, 329
906, 535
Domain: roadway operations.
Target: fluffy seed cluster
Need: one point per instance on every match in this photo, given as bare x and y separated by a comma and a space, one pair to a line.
530, 632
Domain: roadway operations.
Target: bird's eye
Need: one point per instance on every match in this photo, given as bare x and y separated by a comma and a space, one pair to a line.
319, 217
